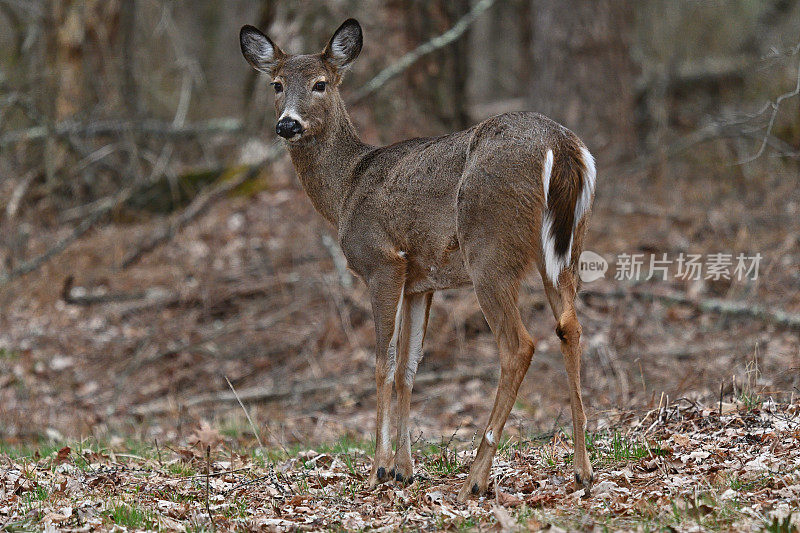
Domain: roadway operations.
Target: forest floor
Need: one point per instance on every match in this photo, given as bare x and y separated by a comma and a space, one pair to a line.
682, 467
251, 296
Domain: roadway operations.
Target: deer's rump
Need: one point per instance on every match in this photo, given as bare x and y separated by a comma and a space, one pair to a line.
526, 188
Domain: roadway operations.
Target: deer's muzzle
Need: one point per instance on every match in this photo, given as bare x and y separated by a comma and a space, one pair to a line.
288, 127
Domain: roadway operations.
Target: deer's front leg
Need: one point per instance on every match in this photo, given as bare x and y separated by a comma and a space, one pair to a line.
415, 320
386, 290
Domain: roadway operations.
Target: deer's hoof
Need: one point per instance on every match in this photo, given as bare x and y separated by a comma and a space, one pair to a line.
585, 482
378, 476
470, 488
400, 477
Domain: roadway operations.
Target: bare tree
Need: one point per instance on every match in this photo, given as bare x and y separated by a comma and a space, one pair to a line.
582, 72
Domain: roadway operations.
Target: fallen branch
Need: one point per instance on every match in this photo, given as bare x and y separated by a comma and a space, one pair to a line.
81, 297
135, 363
230, 179
691, 72
36, 262
85, 225
18, 194
339, 260
115, 127
249, 420
267, 394
708, 305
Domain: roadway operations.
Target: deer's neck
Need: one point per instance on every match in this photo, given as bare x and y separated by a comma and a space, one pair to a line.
324, 164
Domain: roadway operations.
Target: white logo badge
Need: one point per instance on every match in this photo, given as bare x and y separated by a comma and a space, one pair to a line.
591, 266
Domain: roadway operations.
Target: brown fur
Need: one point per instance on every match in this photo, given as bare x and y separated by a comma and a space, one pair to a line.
427, 214
565, 186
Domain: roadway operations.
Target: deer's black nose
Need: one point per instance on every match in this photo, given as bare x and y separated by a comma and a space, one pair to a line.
288, 127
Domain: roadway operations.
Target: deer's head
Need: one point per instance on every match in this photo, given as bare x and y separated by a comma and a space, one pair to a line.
306, 86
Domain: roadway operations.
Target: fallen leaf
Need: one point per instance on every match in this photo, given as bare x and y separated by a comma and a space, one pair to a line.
507, 499
205, 435
504, 520
63, 455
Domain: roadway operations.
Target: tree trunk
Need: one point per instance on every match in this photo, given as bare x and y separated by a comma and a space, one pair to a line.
439, 80
582, 74
129, 89
68, 36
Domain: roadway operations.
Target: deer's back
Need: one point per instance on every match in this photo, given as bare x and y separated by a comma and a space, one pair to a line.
406, 196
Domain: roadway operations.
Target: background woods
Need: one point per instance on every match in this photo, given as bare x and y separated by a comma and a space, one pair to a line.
154, 239
178, 327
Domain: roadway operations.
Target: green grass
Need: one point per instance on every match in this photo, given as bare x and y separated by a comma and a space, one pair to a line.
607, 449
523, 514
28, 451
751, 400
32, 497
780, 527
350, 462
128, 516
442, 458
346, 448
236, 428
347, 444
238, 508
44, 448
620, 448
467, 524
198, 528
740, 485
705, 511
8, 355
145, 450
181, 468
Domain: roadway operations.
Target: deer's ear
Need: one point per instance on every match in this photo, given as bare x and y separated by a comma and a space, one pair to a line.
345, 45
259, 50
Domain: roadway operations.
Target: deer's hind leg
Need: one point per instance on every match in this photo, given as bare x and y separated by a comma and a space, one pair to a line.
568, 329
495, 217
497, 293
416, 309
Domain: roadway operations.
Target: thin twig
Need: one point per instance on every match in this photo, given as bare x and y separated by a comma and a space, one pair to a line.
250, 420
424, 49
215, 474
208, 476
85, 225
775, 107
31, 265
158, 451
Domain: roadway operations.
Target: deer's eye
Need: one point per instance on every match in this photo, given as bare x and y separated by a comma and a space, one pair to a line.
278, 86
319, 86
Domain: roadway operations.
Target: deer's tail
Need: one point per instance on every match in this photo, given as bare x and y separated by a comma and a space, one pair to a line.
568, 179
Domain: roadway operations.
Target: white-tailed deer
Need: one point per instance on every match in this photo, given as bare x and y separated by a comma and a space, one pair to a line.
479, 207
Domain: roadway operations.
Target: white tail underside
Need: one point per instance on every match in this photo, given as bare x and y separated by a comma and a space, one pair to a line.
555, 263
